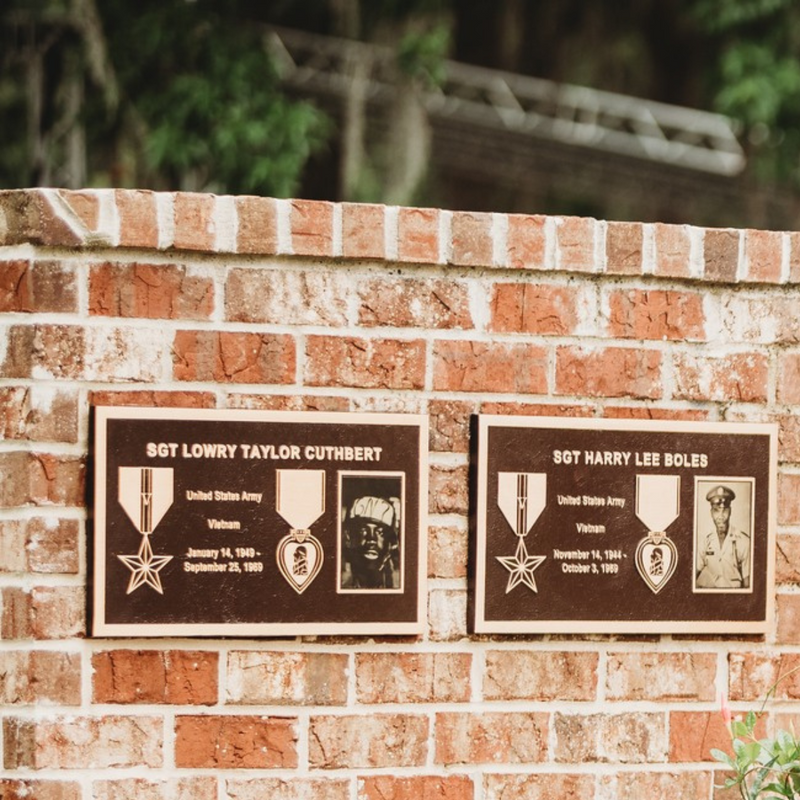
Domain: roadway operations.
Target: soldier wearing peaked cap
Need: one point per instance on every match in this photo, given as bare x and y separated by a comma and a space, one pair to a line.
723, 557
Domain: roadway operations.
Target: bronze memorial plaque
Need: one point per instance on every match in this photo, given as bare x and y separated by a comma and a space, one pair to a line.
604, 526
251, 523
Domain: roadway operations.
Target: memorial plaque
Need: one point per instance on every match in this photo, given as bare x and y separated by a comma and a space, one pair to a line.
247, 523
604, 526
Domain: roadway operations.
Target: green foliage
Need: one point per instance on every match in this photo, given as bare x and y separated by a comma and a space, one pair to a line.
421, 55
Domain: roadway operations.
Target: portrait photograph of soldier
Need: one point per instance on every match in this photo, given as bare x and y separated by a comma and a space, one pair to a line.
371, 532
723, 534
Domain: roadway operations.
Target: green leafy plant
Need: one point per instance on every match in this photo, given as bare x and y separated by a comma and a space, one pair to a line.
762, 767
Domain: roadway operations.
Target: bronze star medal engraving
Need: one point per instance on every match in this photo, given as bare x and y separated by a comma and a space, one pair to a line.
146, 494
521, 496
657, 506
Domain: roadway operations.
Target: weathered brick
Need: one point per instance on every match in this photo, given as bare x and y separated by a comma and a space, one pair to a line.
449, 425
788, 498
575, 244
417, 787
138, 218
788, 630
368, 742
675, 785
17, 350
624, 248
365, 363
539, 308
39, 544
788, 437
787, 559
656, 314
413, 677
229, 357
150, 291
540, 675
526, 241
44, 612
740, 377
788, 389
28, 216
425, 303
235, 742
448, 489
794, 257
201, 788
82, 743
549, 786
649, 412
753, 675
38, 414
85, 204
661, 676
153, 399
447, 552
721, 255
761, 319
13, 789
672, 250
418, 235
535, 409
40, 677
763, 253
176, 677
471, 234
278, 296
363, 230
632, 738
312, 227
491, 737
291, 789
447, 615
608, 372
41, 479
464, 366
259, 677
194, 221
38, 286
692, 734
282, 402
258, 225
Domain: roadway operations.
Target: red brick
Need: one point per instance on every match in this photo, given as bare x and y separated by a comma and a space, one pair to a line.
632, 738
41, 479
312, 228
675, 785
417, 787
788, 631
235, 742
788, 499
692, 734
176, 677
28, 217
447, 552
259, 677
409, 303
659, 315
86, 204
362, 230
278, 296
794, 257
39, 545
39, 790
608, 372
721, 255
138, 218
672, 251
449, 425
540, 676
448, 489
753, 675
40, 677
661, 676
787, 559
648, 412
38, 286
418, 235
526, 241
763, 255
545, 786
447, 615
294, 788
153, 399
228, 357
413, 677
575, 241
82, 743
38, 413
371, 741
202, 788
491, 737
149, 291
535, 409
365, 363
258, 225
788, 437
537, 308
788, 390
194, 221
471, 239
44, 612
462, 366
624, 248
740, 377
17, 344
282, 402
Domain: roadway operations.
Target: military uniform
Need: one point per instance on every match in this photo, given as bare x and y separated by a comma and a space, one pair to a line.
725, 564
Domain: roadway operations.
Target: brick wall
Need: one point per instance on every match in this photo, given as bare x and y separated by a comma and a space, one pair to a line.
127, 297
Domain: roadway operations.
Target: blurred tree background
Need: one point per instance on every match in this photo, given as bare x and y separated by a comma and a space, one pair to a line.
187, 95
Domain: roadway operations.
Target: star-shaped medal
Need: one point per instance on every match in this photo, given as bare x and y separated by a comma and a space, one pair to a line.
144, 567
521, 567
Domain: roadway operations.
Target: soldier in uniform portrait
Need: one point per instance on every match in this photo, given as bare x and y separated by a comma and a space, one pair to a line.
723, 554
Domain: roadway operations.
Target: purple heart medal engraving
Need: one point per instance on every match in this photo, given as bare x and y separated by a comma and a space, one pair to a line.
658, 504
521, 496
300, 500
145, 494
